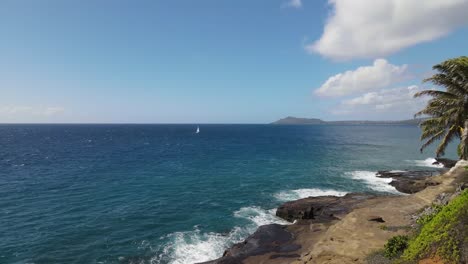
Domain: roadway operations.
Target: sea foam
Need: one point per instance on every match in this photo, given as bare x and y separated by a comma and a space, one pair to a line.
426, 163
397, 171
370, 179
196, 246
259, 216
304, 193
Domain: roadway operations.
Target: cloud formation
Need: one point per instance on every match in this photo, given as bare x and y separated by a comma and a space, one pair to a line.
386, 101
50, 111
379, 75
293, 3
14, 112
371, 29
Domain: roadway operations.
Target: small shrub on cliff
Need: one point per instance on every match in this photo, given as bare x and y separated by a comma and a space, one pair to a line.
443, 234
395, 246
426, 218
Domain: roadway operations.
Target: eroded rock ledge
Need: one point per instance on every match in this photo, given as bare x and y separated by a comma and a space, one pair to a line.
322, 208
313, 216
410, 181
271, 238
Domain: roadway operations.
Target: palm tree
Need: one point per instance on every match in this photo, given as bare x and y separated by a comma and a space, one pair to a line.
447, 110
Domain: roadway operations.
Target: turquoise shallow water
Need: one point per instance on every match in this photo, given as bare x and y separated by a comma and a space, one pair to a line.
163, 194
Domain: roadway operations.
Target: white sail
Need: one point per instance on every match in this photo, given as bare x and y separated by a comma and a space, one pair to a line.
198, 130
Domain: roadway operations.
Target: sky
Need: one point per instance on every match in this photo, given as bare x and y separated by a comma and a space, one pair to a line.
220, 61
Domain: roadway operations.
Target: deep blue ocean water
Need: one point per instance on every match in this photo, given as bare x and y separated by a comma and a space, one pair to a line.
163, 194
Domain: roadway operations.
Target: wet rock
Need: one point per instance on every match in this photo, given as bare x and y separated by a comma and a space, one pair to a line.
447, 163
321, 209
268, 238
411, 186
407, 174
410, 181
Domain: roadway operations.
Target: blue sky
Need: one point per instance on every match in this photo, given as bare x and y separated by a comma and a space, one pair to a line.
215, 61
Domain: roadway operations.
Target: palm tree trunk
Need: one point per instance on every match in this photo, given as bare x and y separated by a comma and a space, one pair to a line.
464, 142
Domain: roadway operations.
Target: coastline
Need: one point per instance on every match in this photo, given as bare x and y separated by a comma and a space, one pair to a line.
348, 228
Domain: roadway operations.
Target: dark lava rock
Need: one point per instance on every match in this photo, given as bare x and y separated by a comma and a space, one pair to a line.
410, 181
416, 175
409, 186
267, 238
447, 163
321, 209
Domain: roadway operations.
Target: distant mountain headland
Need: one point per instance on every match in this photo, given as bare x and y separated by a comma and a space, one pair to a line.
315, 121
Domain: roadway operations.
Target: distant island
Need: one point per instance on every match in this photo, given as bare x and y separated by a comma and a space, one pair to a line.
290, 120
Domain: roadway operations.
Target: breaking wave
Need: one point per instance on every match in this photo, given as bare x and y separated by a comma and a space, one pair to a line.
304, 193
426, 163
196, 246
372, 181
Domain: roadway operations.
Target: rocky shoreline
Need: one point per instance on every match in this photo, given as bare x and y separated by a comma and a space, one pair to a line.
326, 229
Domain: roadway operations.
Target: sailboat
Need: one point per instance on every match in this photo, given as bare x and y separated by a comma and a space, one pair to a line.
198, 130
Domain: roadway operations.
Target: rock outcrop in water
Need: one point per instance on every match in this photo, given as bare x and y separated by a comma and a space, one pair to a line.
268, 238
447, 163
410, 181
322, 208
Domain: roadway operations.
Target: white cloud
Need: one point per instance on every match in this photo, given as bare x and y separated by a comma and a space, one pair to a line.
49, 111
384, 97
395, 103
14, 112
370, 28
293, 3
379, 75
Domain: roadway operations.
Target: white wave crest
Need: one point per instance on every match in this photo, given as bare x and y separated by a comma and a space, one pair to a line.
374, 182
304, 193
426, 163
259, 216
397, 171
196, 246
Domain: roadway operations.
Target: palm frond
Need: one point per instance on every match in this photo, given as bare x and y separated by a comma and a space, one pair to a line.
435, 93
447, 110
440, 151
435, 137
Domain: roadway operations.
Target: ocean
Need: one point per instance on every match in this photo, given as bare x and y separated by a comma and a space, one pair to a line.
164, 194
